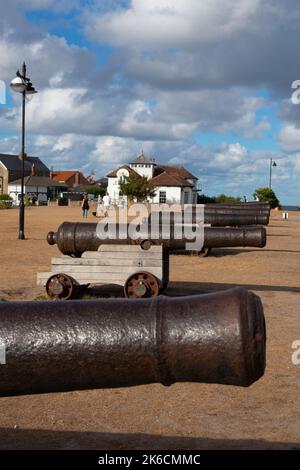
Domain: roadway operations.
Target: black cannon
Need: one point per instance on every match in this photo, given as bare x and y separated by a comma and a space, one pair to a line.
74, 238
215, 218
258, 207
62, 346
238, 211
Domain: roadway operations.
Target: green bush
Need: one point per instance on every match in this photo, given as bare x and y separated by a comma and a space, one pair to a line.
5, 201
203, 199
136, 186
267, 195
223, 198
96, 191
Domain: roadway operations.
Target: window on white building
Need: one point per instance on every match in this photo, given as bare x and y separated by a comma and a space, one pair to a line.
162, 197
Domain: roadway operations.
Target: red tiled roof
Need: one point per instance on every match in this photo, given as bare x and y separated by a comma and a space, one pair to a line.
66, 175
113, 174
164, 175
165, 179
63, 175
175, 170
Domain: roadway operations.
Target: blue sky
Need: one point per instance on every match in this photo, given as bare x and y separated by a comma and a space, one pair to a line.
172, 77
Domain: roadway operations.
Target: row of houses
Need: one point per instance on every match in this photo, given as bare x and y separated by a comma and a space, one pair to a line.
174, 184
39, 180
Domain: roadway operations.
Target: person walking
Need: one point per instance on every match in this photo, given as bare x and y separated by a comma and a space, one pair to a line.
99, 211
85, 205
106, 204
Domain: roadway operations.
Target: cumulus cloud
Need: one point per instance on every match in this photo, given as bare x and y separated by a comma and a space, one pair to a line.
49, 58
174, 69
165, 23
194, 44
289, 138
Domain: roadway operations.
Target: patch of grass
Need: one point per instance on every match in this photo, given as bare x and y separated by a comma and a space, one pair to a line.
40, 298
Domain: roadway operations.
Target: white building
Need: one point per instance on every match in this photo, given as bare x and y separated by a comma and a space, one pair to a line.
39, 187
174, 184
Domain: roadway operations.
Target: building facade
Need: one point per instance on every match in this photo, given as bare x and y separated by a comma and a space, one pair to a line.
173, 184
11, 169
71, 178
39, 187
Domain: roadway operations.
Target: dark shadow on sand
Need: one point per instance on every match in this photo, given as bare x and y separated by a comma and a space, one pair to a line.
183, 288
36, 439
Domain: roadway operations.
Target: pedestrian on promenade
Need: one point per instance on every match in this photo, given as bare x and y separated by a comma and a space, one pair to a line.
85, 205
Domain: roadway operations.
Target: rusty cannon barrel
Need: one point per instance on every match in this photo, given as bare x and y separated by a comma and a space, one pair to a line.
237, 211
216, 218
237, 208
62, 346
74, 238
251, 206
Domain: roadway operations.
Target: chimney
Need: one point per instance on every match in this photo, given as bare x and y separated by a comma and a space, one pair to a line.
51, 173
33, 169
77, 178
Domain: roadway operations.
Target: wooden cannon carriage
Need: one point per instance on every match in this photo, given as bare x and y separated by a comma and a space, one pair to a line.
143, 273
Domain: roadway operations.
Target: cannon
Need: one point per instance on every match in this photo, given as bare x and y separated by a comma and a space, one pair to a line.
245, 205
238, 211
63, 346
74, 238
216, 218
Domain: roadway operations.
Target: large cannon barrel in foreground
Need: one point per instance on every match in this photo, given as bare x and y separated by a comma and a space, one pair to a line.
74, 238
63, 346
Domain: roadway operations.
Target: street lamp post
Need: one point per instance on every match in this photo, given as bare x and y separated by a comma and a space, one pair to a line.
22, 84
272, 163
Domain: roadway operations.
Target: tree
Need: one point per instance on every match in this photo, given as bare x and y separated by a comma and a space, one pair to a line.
136, 186
267, 195
223, 198
203, 199
96, 190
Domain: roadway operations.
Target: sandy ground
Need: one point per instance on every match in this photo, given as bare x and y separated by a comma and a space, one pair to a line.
183, 416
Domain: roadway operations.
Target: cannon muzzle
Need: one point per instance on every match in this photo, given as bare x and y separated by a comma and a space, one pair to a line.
51, 238
62, 346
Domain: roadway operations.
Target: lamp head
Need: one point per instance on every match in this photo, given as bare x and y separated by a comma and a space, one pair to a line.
18, 85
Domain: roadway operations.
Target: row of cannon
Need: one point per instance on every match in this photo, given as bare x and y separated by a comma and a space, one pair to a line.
213, 338
236, 225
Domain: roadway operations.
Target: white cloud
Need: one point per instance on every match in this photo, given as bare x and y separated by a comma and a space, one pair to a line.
289, 138
257, 131
185, 67
50, 60
169, 23
230, 156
